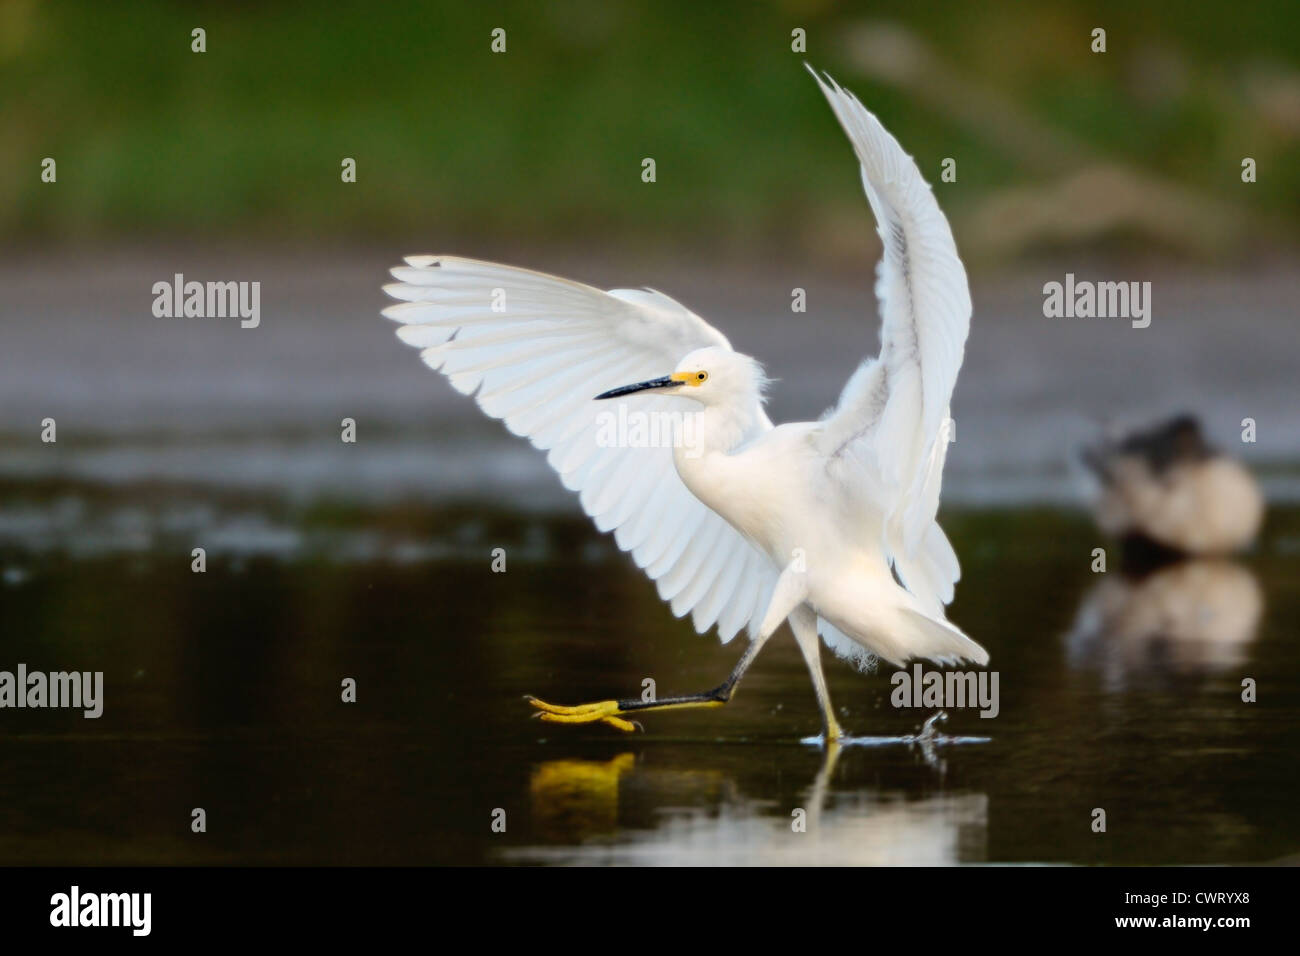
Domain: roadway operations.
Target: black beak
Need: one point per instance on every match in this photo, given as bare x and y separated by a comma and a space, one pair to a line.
665, 382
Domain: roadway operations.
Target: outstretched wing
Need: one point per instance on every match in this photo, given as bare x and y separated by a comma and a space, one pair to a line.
891, 422
533, 350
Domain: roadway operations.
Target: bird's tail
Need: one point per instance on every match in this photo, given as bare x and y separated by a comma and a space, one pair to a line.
905, 633
939, 641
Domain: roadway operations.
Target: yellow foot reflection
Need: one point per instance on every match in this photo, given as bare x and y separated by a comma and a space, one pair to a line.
602, 711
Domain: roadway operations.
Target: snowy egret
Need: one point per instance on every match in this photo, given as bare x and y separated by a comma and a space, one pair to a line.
1165, 489
829, 525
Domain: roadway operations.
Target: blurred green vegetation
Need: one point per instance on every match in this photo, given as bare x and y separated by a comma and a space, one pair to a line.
545, 142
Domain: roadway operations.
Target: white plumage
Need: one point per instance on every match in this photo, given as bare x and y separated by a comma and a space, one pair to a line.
746, 525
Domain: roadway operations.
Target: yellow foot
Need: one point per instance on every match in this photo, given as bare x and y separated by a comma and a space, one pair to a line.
602, 711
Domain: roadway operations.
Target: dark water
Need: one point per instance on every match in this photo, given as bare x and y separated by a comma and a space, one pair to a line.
223, 692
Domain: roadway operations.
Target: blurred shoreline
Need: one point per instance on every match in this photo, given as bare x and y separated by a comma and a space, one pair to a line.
202, 402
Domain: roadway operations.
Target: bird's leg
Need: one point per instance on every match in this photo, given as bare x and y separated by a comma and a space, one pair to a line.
610, 711
804, 624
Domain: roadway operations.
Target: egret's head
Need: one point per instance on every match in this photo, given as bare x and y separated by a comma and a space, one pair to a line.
710, 375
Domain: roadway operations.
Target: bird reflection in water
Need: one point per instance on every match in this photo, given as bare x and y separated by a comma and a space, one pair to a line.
577, 803
1179, 605
1192, 617
577, 797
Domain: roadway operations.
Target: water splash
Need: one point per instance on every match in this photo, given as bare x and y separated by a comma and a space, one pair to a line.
926, 738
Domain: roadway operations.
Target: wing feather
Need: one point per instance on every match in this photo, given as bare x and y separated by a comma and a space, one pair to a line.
891, 425
533, 349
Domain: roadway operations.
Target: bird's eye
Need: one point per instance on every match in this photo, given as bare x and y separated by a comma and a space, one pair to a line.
701, 376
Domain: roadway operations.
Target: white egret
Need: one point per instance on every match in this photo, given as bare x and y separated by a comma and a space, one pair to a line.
829, 525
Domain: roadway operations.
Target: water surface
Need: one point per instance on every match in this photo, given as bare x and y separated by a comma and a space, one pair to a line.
223, 692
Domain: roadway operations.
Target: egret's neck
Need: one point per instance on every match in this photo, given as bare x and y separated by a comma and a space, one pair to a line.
714, 430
